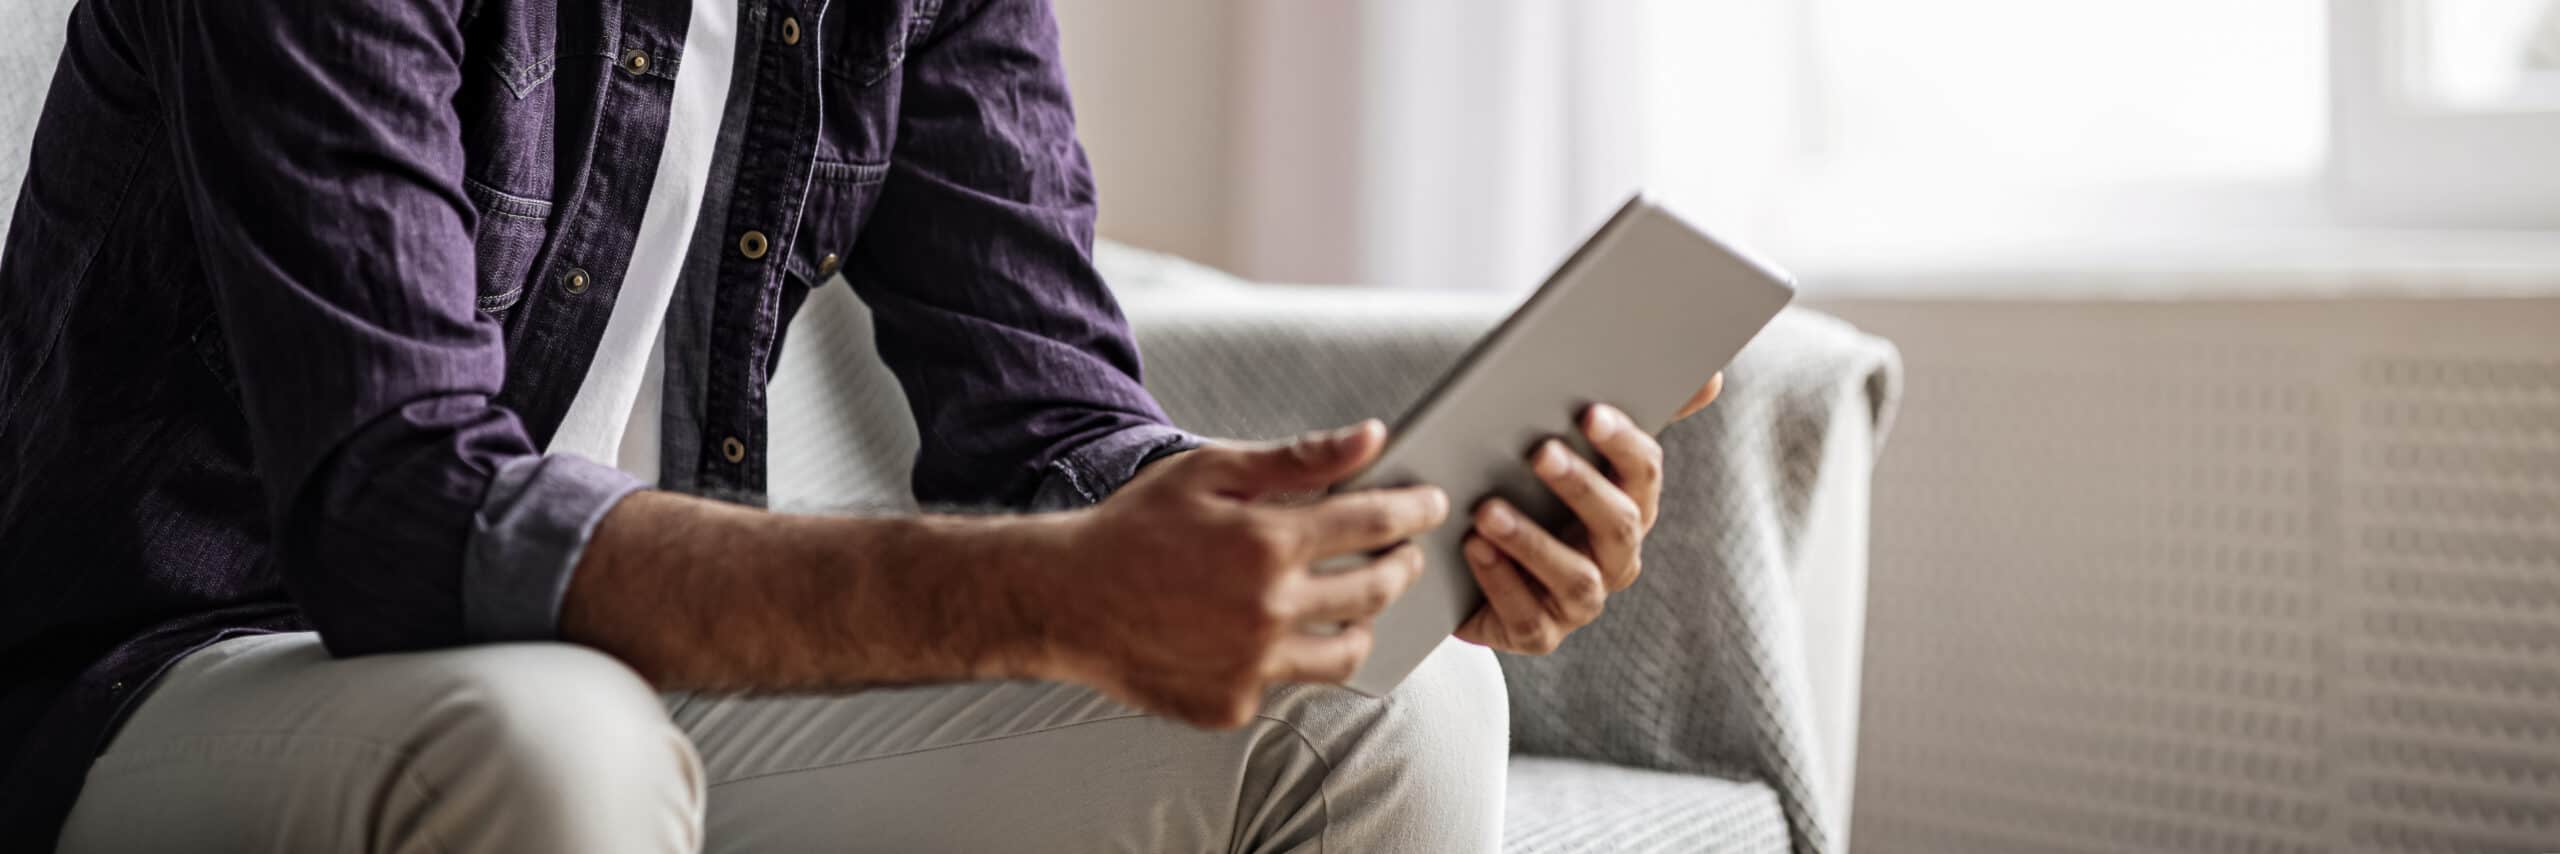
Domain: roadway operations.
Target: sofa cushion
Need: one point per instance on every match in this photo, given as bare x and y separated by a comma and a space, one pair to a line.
1568, 805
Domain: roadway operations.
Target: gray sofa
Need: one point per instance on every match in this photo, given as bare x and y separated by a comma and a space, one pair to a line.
1714, 708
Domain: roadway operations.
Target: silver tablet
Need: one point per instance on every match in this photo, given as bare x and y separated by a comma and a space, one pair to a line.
1638, 318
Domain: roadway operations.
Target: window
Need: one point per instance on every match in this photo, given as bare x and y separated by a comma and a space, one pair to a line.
2447, 112
1972, 127
1967, 125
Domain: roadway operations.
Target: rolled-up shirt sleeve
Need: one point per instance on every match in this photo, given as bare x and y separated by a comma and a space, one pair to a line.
525, 541
321, 162
1092, 471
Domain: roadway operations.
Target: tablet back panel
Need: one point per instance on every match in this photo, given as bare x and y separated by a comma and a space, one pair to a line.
1638, 318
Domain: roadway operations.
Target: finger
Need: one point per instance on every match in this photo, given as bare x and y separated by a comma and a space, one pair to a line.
1706, 395
1575, 591
1634, 457
1357, 594
1310, 461
1515, 616
1322, 658
1371, 519
1611, 518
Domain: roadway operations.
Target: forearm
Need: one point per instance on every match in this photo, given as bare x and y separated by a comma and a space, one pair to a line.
700, 595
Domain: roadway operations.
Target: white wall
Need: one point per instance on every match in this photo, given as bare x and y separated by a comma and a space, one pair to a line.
1153, 81
2213, 574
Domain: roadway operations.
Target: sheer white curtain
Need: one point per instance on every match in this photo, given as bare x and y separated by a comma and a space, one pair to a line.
1469, 143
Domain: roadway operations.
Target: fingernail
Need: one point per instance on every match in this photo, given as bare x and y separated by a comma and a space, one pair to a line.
1605, 419
1550, 460
1500, 519
1344, 437
1439, 505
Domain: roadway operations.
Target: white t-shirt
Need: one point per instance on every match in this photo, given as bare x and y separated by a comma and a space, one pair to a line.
615, 415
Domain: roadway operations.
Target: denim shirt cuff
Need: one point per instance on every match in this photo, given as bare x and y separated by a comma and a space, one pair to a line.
525, 541
1097, 468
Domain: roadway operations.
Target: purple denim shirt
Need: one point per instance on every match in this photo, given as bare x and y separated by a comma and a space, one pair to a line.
296, 290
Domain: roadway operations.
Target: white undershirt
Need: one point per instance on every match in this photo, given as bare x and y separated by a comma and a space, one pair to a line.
615, 415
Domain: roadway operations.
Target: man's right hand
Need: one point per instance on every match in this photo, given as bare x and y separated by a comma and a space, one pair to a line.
1190, 591
1186, 593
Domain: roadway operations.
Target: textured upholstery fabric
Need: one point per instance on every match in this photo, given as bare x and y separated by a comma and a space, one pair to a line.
30, 40
1568, 806
1699, 669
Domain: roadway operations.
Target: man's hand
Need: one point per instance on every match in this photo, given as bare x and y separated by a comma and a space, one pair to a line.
1540, 585
1187, 592
1197, 590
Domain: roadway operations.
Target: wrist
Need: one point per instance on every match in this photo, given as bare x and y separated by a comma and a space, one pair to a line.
1021, 568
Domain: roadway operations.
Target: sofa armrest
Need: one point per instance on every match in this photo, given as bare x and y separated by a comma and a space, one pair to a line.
1736, 653
1266, 361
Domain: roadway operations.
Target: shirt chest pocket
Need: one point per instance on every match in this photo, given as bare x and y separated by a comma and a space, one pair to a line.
840, 198
509, 105
505, 243
866, 40
863, 44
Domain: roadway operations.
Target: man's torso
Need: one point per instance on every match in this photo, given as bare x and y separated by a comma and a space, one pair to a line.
130, 522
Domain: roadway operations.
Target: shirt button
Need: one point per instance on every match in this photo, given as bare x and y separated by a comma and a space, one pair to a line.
752, 244
574, 281
734, 450
635, 61
827, 265
790, 30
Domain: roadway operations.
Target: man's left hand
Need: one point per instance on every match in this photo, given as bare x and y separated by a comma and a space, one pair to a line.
1540, 585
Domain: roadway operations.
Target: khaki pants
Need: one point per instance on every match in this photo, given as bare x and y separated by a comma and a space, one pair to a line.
268, 744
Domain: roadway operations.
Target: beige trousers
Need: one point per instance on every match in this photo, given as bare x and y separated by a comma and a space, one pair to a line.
268, 744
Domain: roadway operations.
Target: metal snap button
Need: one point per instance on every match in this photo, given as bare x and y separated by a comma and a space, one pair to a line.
575, 281
753, 244
827, 265
733, 450
635, 61
790, 30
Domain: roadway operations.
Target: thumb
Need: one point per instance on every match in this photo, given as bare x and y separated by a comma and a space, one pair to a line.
1311, 461
1706, 395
